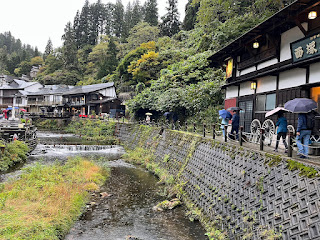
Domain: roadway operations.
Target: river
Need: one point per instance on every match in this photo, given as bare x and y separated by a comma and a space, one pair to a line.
124, 207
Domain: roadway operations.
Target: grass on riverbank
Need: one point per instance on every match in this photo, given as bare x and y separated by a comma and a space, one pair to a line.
45, 201
90, 129
94, 130
14, 152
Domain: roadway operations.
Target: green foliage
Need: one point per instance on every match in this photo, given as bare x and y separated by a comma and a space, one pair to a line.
95, 130
15, 152
306, 171
46, 200
49, 124
141, 33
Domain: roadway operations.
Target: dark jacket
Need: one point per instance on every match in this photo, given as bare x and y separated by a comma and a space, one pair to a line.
302, 122
235, 120
282, 125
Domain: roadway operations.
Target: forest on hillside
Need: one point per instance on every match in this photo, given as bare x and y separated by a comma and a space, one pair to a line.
163, 60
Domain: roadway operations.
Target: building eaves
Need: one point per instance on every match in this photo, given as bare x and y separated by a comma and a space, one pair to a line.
282, 20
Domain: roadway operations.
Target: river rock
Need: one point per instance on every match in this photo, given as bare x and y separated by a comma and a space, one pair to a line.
104, 194
167, 205
129, 237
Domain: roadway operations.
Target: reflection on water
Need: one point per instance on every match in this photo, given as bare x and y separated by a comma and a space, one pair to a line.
131, 195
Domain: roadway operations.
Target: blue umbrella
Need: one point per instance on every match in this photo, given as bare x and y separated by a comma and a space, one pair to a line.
10, 108
225, 114
300, 105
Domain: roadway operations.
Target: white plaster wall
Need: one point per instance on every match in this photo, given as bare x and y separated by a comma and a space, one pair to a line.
231, 92
314, 73
266, 84
247, 70
267, 63
288, 37
245, 89
292, 78
109, 92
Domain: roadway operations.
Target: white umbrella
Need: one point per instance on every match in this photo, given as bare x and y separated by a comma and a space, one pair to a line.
276, 110
149, 114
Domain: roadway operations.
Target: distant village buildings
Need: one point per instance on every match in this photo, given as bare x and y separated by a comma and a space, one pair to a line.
76, 100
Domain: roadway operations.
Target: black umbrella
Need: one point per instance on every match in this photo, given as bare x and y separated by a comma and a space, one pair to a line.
234, 109
300, 105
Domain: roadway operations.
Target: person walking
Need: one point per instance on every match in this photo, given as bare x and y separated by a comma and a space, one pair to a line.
281, 131
303, 135
224, 122
235, 124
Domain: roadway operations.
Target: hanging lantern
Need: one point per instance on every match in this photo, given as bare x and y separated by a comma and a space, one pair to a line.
253, 86
312, 15
255, 44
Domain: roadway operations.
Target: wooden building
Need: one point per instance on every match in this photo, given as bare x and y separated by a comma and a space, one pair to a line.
274, 62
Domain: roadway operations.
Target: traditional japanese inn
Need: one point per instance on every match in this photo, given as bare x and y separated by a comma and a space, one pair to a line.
274, 62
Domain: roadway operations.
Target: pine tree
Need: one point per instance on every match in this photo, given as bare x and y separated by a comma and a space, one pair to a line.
191, 15
170, 24
84, 24
110, 62
136, 13
127, 21
151, 12
118, 19
108, 19
77, 30
69, 50
48, 50
36, 52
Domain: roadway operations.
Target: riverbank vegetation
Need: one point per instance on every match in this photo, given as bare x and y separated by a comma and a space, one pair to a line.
89, 129
14, 152
93, 130
45, 201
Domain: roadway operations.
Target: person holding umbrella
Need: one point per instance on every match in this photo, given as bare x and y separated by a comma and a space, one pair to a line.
225, 116
302, 106
281, 124
281, 131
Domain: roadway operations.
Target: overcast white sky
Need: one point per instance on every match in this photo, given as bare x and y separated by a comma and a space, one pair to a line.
35, 21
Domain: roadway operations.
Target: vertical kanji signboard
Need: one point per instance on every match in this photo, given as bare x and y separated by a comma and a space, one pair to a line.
305, 48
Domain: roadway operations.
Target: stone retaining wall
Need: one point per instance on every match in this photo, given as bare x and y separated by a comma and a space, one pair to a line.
238, 189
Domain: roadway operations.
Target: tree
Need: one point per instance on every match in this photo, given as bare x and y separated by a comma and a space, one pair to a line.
48, 50
142, 33
136, 13
170, 24
110, 62
36, 52
146, 68
118, 19
24, 68
108, 19
127, 21
151, 12
36, 61
77, 30
69, 50
84, 24
191, 15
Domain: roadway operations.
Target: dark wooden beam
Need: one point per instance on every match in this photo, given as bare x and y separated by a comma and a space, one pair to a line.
301, 27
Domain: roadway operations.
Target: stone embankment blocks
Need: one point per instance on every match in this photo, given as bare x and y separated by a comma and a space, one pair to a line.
235, 187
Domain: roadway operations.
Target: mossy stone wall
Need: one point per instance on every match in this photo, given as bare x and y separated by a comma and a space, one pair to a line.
246, 193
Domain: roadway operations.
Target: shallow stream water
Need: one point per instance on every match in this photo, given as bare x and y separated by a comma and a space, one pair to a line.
124, 207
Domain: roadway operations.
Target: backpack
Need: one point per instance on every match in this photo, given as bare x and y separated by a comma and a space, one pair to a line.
310, 121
